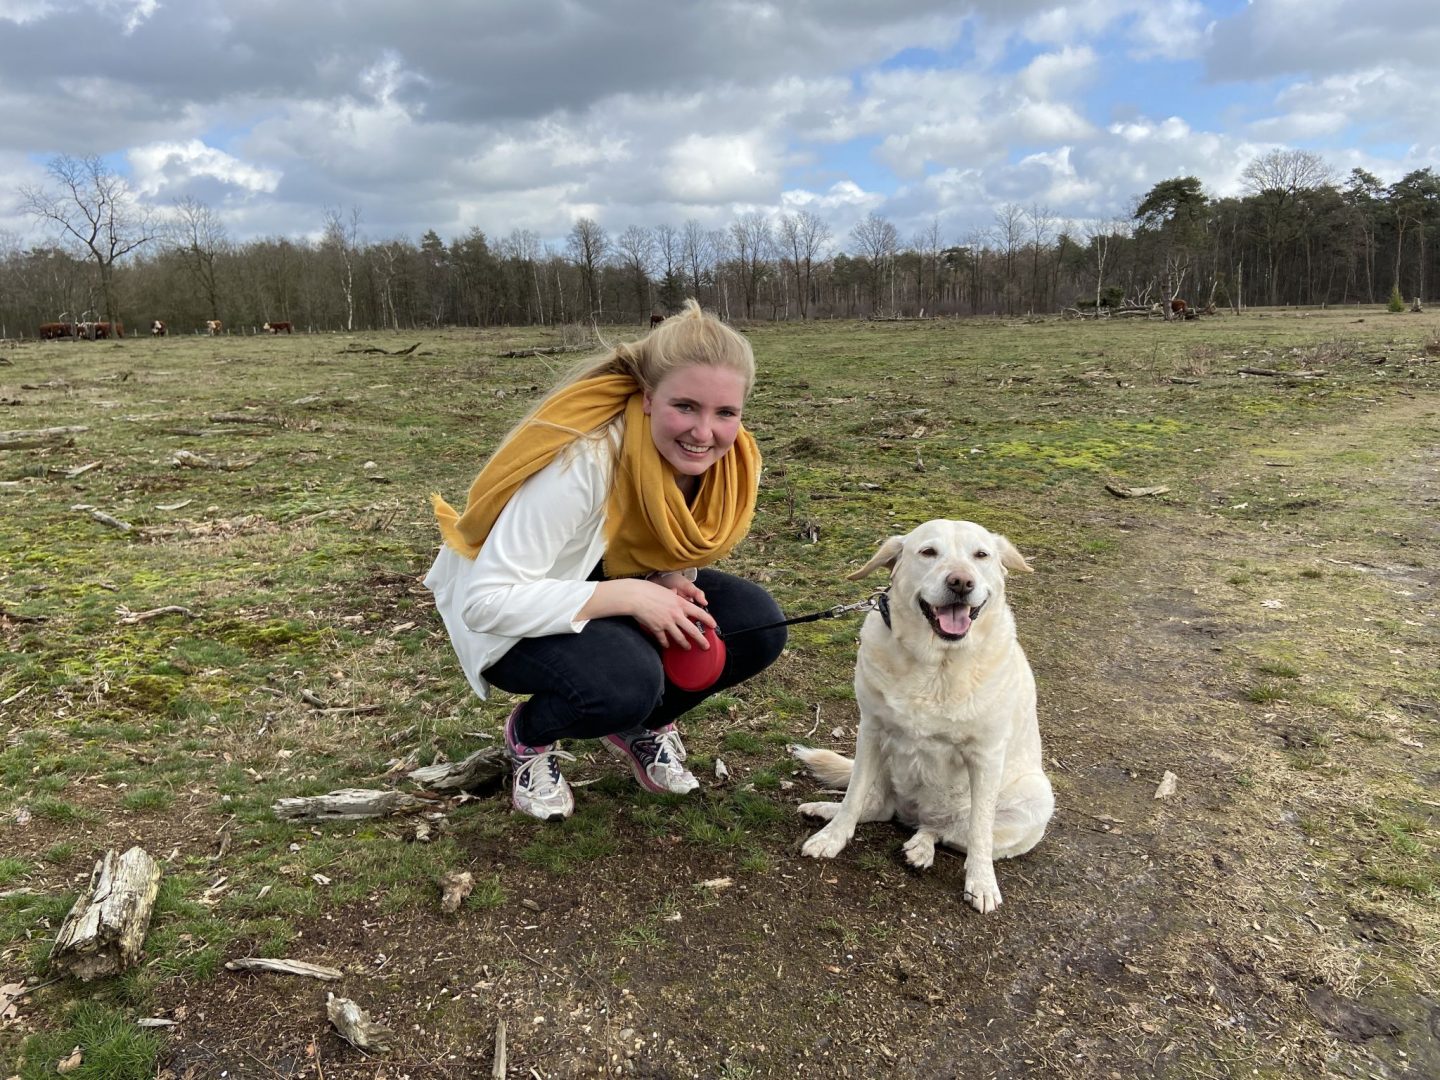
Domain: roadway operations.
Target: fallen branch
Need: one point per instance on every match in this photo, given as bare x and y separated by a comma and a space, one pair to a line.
191, 460
497, 1067
553, 350
382, 352
81, 470
242, 418
348, 804
25, 440
482, 767
105, 930
113, 522
1272, 372
130, 618
284, 967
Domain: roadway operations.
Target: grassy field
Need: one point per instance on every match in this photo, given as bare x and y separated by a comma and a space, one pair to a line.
1265, 629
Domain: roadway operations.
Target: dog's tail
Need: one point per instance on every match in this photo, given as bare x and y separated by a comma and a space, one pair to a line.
830, 768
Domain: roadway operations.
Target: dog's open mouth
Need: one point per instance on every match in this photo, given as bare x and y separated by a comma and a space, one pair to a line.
952, 621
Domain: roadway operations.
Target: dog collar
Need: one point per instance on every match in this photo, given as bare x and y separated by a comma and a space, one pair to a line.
882, 605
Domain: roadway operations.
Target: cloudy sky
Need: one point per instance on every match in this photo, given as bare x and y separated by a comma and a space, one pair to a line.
506, 114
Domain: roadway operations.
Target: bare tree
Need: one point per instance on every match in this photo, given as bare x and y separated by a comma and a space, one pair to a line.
753, 242
589, 244
1042, 222
804, 236
1009, 228
637, 251
927, 248
94, 209
523, 247
877, 242
198, 237
1277, 179
342, 239
697, 253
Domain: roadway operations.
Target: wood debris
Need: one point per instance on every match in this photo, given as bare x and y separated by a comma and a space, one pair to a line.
105, 930
497, 1068
1166, 787
284, 967
130, 618
355, 1026
348, 804
483, 767
1122, 492
455, 886
113, 522
26, 440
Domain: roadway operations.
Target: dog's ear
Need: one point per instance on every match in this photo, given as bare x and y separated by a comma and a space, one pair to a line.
886, 556
1010, 557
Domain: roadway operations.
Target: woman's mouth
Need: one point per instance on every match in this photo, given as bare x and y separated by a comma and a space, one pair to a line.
692, 448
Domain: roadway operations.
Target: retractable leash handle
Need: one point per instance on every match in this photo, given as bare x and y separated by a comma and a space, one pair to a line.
696, 669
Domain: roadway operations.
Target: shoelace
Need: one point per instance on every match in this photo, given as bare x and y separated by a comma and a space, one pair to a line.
525, 766
670, 739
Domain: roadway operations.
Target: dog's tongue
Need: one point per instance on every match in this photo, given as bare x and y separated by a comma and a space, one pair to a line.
954, 618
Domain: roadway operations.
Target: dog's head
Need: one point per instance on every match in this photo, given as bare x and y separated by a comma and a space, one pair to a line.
949, 571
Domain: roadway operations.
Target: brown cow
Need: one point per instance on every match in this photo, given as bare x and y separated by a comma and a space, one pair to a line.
51, 331
213, 327
101, 331
656, 320
279, 327
157, 329
1178, 307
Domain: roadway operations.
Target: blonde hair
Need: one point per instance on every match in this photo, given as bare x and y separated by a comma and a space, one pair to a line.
692, 337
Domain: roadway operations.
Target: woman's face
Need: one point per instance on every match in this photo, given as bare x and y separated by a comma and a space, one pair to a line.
695, 415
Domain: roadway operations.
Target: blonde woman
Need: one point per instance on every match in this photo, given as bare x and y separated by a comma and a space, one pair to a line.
585, 547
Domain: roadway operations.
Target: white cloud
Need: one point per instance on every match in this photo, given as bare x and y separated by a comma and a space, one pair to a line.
171, 166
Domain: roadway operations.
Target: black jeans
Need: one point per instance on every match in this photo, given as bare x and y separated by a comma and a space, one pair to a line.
608, 677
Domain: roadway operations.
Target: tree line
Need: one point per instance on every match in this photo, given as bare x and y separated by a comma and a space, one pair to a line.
1297, 235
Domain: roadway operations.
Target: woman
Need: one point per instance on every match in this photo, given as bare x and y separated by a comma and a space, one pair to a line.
585, 547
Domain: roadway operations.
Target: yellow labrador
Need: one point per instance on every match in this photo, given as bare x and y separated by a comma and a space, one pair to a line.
949, 741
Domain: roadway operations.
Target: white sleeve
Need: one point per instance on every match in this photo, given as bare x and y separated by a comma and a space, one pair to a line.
528, 579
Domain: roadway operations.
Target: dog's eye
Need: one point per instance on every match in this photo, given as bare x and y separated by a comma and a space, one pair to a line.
982, 554
927, 553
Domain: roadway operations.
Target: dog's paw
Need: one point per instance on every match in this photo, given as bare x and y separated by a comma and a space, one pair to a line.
982, 892
920, 851
823, 810
825, 844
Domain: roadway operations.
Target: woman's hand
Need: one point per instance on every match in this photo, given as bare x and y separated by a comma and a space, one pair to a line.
669, 613
679, 583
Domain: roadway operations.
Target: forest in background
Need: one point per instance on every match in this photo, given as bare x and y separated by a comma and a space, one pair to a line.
1299, 235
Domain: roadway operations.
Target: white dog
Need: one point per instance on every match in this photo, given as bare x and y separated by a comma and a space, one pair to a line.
949, 740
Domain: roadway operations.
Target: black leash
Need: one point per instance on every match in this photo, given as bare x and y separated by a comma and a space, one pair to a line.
880, 602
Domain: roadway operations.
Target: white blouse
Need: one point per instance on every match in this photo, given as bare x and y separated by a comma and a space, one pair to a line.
529, 578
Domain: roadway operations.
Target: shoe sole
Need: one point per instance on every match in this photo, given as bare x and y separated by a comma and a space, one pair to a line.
617, 744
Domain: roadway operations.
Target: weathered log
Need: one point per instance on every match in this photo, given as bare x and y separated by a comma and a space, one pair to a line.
284, 967
355, 1027
242, 418
105, 930
480, 768
348, 804
25, 440
551, 351
113, 522
455, 886
1122, 492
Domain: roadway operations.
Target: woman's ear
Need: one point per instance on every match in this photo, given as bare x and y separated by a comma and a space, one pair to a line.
645, 401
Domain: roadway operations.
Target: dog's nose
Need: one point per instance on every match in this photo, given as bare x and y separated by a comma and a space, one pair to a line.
960, 584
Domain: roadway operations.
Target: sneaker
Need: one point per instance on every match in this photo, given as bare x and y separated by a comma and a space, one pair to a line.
655, 758
539, 790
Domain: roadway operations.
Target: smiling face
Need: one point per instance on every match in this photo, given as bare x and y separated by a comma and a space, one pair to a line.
694, 417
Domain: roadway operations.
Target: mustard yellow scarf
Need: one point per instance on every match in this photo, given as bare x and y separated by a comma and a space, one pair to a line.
648, 525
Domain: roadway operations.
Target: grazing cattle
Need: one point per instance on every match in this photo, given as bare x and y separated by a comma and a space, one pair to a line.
656, 320
52, 330
213, 327
278, 327
1178, 307
100, 331
157, 329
